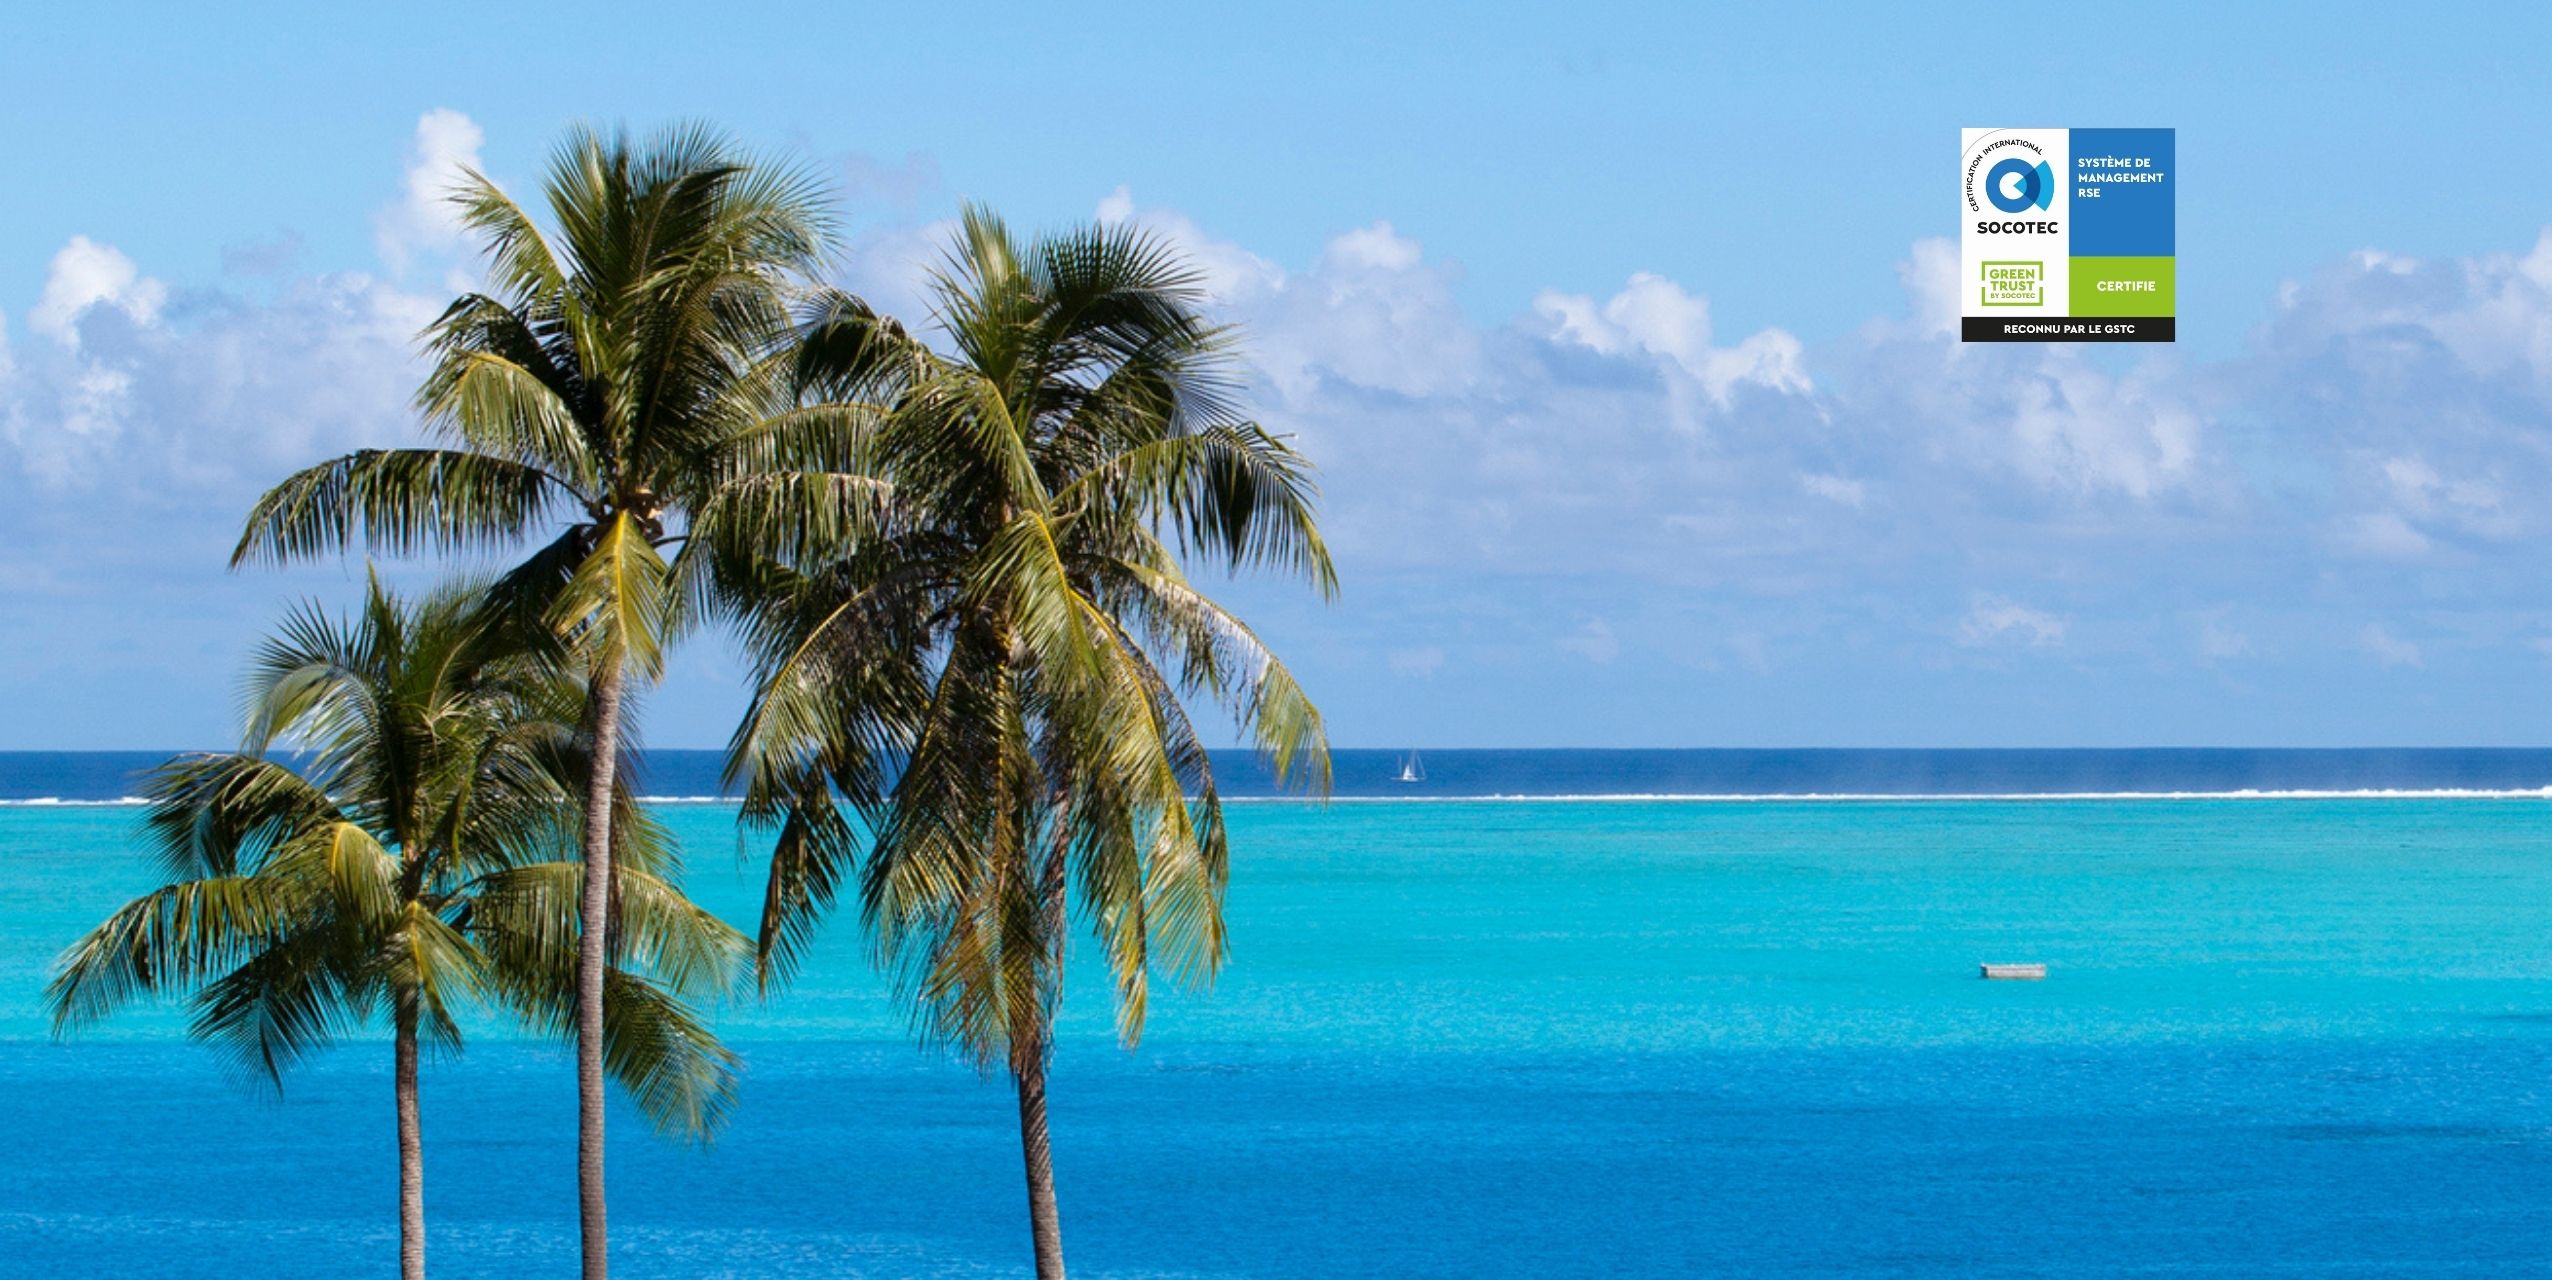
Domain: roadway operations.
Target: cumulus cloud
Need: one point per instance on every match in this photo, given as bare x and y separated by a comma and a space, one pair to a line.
188, 397
2387, 411
1372, 314
2418, 501
422, 223
216, 391
2421, 389
891, 268
2380, 445
1615, 427
1654, 316
139, 416
86, 275
2083, 430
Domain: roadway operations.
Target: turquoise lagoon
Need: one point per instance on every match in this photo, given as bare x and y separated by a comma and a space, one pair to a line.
1610, 1037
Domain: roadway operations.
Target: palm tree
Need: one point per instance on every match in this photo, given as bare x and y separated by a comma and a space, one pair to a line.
618, 385
421, 863
997, 678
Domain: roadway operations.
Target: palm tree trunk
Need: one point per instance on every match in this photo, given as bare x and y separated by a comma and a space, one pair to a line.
411, 1155
1045, 1227
592, 961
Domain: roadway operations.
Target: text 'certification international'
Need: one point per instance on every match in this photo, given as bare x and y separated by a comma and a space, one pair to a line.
2065, 235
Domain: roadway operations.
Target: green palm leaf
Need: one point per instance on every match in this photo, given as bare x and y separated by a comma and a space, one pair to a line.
400, 501
619, 608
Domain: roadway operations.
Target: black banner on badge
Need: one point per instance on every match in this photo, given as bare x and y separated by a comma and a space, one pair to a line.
2067, 329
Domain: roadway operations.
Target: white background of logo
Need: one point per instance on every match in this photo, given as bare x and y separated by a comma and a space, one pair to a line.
2053, 248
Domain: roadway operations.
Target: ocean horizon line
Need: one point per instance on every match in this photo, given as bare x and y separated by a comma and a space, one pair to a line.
1639, 797
1406, 747
680, 776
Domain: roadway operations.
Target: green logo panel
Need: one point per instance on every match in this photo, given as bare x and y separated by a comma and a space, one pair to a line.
2122, 286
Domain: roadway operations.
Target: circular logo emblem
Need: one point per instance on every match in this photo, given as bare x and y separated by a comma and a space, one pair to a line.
2017, 186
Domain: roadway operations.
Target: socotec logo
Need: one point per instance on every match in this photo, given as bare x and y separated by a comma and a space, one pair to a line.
2017, 186
2011, 176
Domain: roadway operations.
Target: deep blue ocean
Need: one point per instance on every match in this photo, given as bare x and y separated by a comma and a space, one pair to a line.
1561, 1014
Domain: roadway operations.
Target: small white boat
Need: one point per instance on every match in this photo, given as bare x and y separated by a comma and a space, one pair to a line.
2015, 972
1412, 769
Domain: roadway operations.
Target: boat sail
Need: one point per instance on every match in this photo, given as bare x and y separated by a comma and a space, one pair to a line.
1412, 769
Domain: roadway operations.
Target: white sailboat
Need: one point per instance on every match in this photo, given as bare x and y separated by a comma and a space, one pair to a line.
1412, 769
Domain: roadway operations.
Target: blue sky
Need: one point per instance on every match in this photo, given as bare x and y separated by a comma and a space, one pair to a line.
1620, 333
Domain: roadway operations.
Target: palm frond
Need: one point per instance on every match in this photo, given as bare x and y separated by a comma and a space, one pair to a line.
497, 390
290, 999
220, 814
170, 940
519, 260
815, 853
655, 930
400, 501
619, 609
677, 1073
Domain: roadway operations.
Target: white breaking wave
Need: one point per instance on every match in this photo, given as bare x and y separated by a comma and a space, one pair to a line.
1893, 797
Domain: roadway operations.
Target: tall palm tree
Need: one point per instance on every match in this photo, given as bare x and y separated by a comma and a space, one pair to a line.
619, 384
423, 861
997, 678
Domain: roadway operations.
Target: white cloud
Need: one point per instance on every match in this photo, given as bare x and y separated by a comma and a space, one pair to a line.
1993, 619
1655, 316
129, 393
2414, 490
891, 268
2380, 446
2491, 313
84, 275
2083, 430
422, 223
1373, 248
2048, 414
2388, 649
71, 405
1929, 276
1371, 313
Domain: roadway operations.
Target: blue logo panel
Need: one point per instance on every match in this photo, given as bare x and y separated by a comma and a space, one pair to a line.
2122, 199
